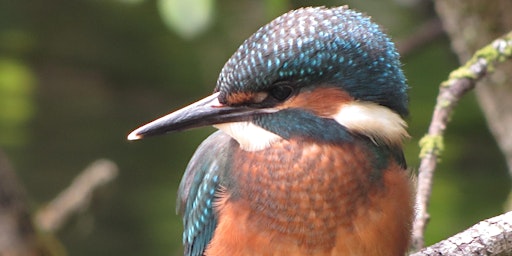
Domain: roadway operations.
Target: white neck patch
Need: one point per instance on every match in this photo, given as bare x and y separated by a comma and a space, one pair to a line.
250, 136
379, 123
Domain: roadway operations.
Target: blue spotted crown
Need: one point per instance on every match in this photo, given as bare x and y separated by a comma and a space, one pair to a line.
319, 45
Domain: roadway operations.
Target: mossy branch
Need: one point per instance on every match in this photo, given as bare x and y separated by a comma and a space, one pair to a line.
451, 91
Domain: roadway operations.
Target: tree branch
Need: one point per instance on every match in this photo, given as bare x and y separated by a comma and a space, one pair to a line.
77, 196
17, 234
459, 82
489, 237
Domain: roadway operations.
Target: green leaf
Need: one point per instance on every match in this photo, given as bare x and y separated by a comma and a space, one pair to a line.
17, 84
188, 18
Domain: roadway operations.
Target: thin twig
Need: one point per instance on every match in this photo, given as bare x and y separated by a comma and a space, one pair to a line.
77, 196
459, 82
17, 234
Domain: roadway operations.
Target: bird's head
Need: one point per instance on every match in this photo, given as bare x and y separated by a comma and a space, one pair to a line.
313, 72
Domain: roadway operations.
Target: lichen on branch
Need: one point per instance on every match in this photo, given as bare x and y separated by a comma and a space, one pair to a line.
451, 91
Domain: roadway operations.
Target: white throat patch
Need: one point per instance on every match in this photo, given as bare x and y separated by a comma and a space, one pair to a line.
379, 123
250, 136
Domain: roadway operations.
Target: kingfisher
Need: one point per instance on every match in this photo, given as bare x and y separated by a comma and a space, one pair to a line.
307, 159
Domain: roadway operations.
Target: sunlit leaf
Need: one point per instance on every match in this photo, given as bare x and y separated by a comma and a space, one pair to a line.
188, 18
16, 101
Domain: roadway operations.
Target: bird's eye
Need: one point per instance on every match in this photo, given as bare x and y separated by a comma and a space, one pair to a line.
281, 92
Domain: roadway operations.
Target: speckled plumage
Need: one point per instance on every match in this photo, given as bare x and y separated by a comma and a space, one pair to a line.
321, 45
196, 193
298, 197
306, 47
322, 88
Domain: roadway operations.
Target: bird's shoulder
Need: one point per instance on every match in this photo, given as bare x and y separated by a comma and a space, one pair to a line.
198, 191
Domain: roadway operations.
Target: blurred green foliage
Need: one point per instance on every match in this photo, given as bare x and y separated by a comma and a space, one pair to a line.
16, 101
77, 76
187, 18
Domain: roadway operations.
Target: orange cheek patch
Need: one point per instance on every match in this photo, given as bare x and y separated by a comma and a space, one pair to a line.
239, 98
322, 101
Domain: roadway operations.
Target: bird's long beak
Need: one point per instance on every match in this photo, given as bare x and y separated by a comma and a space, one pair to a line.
208, 111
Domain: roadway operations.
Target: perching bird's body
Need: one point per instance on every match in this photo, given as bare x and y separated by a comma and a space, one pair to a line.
308, 159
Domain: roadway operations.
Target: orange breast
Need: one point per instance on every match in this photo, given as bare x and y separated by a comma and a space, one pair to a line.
321, 200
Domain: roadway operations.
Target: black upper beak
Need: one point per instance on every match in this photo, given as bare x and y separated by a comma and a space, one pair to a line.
208, 111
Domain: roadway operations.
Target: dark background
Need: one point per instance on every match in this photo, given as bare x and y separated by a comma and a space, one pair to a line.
77, 76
